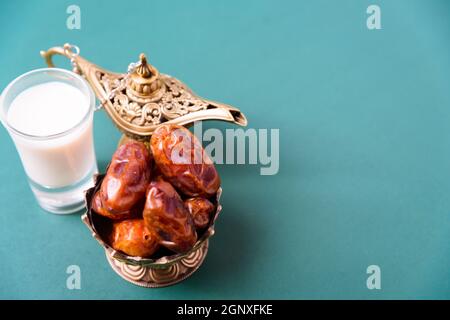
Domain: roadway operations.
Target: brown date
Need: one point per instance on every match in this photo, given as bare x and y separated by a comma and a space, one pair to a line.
132, 237
125, 182
166, 216
183, 161
200, 210
98, 207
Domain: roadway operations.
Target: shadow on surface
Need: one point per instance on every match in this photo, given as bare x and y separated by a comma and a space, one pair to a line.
230, 256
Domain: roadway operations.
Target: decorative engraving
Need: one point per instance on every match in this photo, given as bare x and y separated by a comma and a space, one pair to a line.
147, 276
191, 260
173, 100
135, 273
166, 275
178, 100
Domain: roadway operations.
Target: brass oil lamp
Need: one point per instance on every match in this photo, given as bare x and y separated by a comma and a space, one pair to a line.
141, 99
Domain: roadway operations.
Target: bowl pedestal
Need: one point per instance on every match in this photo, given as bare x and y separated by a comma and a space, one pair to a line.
151, 277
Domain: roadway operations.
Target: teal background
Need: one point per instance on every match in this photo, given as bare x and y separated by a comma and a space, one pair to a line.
364, 145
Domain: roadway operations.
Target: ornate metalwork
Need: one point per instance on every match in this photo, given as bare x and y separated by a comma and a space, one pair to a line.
154, 278
141, 99
173, 100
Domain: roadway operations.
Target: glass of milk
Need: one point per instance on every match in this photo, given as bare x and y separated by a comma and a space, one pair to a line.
48, 114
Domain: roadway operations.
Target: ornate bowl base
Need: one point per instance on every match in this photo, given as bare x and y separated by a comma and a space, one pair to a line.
155, 278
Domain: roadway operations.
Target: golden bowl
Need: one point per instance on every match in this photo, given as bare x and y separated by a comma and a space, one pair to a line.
163, 270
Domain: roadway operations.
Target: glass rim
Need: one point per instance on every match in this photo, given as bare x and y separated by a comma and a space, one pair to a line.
85, 84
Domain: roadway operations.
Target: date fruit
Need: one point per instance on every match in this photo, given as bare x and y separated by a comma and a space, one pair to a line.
166, 216
125, 182
133, 238
98, 207
200, 210
183, 161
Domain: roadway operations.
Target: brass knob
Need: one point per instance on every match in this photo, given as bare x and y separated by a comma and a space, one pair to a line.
144, 80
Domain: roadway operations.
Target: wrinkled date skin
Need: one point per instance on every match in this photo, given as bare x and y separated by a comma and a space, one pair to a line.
183, 161
98, 207
166, 216
125, 182
200, 210
133, 238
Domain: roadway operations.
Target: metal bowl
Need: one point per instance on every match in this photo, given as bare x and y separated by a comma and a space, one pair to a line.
163, 270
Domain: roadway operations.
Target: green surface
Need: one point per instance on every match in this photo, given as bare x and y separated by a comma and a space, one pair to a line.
364, 145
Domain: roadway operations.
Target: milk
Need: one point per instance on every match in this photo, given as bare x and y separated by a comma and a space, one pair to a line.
47, 109
61, 151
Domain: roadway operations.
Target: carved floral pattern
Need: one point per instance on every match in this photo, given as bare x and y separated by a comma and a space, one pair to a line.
176, 100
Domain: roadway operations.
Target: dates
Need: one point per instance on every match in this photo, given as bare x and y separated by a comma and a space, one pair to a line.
143, 194
165, 214
183, 161
97, 206
125, 182
200, 210
133, 238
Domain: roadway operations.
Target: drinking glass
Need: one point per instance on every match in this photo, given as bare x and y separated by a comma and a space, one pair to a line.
60, 166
